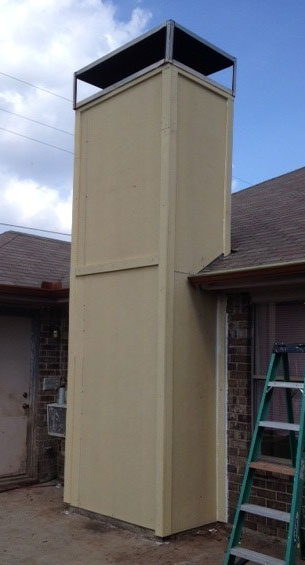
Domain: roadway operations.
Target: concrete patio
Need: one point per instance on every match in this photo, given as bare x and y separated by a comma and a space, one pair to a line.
36, 529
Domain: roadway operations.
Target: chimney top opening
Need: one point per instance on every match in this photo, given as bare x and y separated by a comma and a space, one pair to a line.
169, 42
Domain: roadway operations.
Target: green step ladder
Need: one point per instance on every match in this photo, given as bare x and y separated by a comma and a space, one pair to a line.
236, 553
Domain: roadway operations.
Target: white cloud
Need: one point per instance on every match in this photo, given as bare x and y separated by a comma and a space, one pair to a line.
43, 42
24, 202
239, 184
235, 185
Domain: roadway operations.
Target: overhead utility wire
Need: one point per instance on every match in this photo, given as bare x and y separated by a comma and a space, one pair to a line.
242, 180
34, 86
35, 121
66, 150
34, 229
36, 140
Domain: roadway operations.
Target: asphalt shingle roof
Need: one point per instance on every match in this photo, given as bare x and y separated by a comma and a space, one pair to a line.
268, 224
268, 227
28, 260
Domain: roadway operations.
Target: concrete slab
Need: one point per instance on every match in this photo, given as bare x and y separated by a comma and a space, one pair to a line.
35, 530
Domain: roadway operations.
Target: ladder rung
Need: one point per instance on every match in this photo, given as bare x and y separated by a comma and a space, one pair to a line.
286, 384
266, 512
256, 557
289, 348
280, 426
296, 433
272, 467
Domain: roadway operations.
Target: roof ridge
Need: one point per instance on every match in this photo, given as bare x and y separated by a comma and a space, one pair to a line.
34, 236
4, 243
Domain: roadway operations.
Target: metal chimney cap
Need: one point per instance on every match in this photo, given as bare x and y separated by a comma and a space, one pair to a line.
169, 42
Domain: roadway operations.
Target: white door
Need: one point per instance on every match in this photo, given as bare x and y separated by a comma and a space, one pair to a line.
15, 378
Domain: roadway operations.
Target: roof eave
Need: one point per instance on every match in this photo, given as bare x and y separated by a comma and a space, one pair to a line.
42, 293
271, 274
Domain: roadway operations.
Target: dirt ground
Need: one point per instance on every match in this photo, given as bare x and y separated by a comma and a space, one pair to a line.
36, 529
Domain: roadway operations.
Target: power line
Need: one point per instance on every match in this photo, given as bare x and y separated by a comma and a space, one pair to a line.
36, 140
35, 121
37, 87
34, 229
60, 148
243, 180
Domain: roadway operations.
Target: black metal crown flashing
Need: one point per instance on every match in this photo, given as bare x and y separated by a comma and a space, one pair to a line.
169, 42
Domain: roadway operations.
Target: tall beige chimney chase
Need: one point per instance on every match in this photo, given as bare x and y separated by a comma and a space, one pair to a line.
151, 207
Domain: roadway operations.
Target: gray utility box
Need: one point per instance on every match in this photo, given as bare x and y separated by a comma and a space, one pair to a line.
57, 419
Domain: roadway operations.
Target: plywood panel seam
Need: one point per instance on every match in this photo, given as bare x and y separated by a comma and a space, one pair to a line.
119, 265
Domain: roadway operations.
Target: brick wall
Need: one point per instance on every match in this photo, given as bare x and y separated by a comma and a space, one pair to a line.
52, 361
268, 490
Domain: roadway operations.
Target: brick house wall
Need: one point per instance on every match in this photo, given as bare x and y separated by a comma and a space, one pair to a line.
52, 362
270, 490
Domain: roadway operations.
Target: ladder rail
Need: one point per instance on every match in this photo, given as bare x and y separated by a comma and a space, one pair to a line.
289, 405
297, 453
253, 454
294, 531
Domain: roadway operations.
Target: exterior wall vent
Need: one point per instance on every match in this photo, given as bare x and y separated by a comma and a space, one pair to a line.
56, 416
169, 42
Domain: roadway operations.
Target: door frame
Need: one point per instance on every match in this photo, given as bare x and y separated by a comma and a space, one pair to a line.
31, 464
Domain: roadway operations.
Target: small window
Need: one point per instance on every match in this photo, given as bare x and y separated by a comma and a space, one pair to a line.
284, 322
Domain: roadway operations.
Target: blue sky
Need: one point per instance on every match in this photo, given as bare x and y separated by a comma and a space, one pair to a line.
268, 39
44, 42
